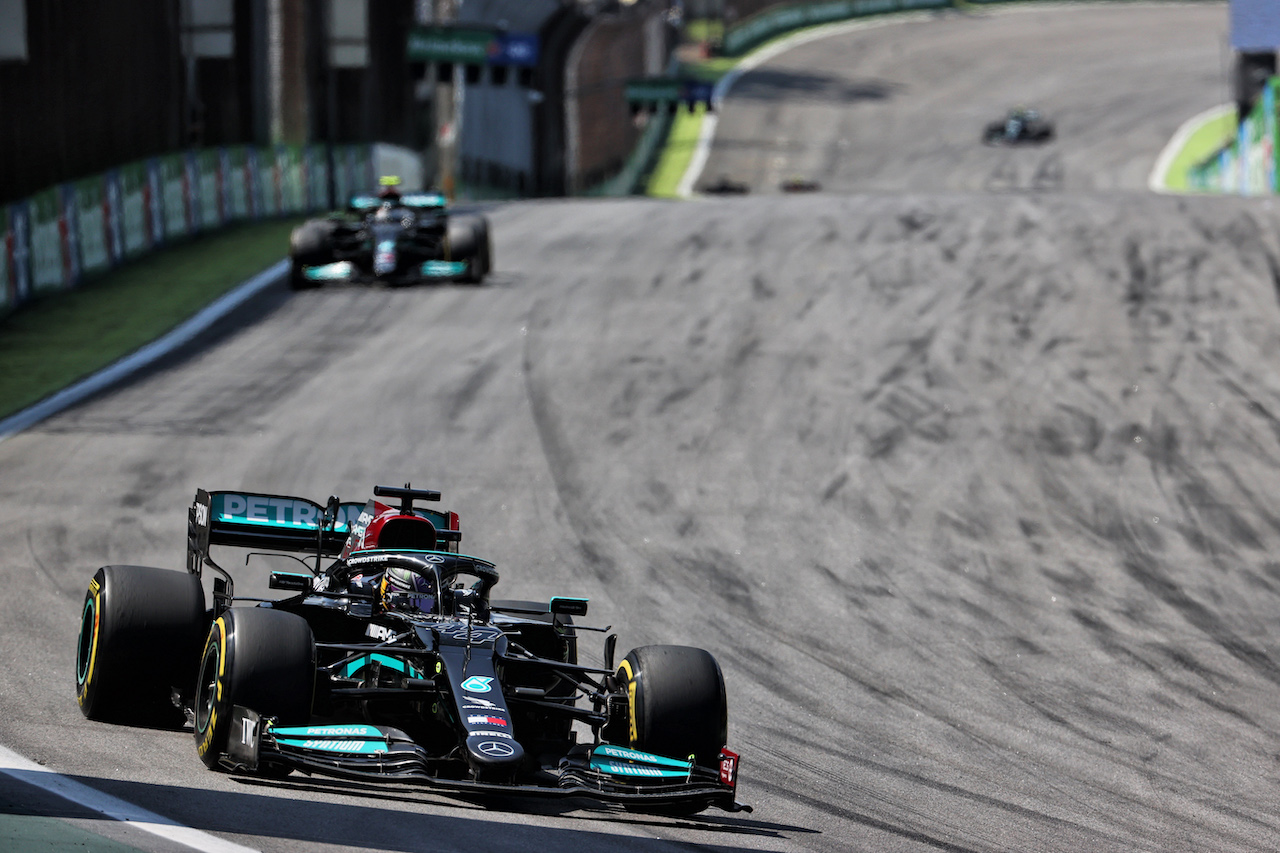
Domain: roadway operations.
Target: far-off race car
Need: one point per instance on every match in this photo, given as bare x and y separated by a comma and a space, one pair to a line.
393, 664
393, 238
1020, 126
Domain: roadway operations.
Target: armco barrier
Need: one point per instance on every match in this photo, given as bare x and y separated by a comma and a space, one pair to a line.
52, 240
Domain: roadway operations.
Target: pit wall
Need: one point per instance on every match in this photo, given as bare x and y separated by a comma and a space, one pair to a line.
1248, 165
57, 238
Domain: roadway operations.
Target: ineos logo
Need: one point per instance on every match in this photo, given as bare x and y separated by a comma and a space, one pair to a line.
496, 749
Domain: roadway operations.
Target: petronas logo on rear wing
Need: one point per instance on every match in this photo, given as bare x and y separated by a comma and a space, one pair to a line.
280, 522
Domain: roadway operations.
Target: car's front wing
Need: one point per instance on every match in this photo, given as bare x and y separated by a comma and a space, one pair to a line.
360, 751
347, 271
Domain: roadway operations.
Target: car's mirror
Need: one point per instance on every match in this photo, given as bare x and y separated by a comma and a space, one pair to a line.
569, 606
289, 580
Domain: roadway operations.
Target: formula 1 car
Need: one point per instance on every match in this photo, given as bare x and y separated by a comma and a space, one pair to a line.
391, 238
798, 184
724, 185
1018, 127
393, 664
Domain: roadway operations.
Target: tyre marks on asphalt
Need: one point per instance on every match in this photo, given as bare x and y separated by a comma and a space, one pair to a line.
1027, 171
949, 479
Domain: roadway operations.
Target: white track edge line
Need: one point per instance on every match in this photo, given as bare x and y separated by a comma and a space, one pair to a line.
27, 771
706, 134
1158, 182
140, 358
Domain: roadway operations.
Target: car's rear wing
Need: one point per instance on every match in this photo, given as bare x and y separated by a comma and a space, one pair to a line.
286, 523
269, 522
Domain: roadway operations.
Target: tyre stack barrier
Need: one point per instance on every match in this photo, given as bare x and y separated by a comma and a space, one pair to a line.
55, 239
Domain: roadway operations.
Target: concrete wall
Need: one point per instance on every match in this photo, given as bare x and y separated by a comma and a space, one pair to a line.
600, 128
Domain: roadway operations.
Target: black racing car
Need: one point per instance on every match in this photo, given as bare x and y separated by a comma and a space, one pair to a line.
391, 238
1018, 127
393, 664
724, 185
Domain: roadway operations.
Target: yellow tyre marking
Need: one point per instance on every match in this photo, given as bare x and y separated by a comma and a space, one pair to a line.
83, 690
219, 626
93, 650
631, 701
222, 656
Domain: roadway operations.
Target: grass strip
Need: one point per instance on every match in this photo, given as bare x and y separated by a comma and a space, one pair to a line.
1207, 139
682, 139
58, 339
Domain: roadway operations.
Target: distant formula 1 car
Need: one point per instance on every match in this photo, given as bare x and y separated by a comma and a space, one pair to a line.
392, 238
724, 185
797, 184
392, 664
1020, 126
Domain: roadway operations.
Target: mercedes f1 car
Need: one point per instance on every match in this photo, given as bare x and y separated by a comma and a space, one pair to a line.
1020, 126
391, 238
392, 663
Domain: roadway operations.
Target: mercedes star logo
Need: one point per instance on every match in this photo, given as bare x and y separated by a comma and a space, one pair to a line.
496, 749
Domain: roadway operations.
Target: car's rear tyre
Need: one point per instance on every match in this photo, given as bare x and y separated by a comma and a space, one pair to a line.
259, 658
469, 241
140, 632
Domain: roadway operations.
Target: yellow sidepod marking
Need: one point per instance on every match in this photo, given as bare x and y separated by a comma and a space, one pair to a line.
631, 700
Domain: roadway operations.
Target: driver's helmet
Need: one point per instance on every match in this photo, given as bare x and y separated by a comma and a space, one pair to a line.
408, 591
390, 190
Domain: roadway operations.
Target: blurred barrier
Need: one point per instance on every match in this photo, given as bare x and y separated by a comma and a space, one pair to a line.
55, 238
787, 16
1248, 165
764, 25
635, 172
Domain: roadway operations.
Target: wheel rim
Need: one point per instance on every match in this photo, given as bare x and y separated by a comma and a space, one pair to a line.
207, 685
88, 639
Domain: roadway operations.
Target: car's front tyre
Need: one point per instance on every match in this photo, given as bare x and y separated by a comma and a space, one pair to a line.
468, 240
677, 704
677, 708
310, 244
259, 658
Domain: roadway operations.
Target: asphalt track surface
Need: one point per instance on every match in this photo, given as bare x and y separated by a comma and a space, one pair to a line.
971, 492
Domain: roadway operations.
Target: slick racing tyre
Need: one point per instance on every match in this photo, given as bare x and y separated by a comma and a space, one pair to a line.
677, 703
140, 633
469, 241
259, 658
309, 245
